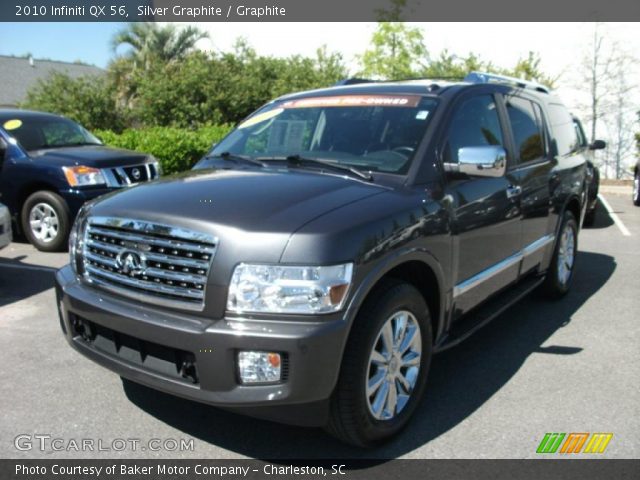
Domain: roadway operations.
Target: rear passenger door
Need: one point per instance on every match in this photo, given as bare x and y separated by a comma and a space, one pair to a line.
531, 168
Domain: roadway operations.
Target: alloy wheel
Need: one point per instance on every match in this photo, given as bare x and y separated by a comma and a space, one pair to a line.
394, 365
566, 254
44, 222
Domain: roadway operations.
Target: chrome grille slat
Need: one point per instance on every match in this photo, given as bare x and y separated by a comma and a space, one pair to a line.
153, 241
167, 265
137, 283
158, 257
149, 272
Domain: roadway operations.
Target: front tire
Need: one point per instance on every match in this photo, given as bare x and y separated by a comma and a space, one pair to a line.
636, 189
385, 365
46, 221
560, 274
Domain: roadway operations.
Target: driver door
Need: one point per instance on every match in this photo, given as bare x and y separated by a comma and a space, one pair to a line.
486, 227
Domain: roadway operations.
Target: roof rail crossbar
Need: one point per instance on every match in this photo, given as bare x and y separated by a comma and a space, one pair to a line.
481, 77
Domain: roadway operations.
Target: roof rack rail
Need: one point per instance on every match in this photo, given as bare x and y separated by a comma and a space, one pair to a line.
481, 77
353, 81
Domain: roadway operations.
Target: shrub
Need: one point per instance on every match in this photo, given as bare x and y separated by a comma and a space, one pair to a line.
176, 149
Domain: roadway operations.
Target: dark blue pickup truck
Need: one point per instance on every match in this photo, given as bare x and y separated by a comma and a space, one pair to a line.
50, 166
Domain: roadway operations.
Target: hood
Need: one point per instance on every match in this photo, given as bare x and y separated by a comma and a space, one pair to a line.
97, 156
270, 201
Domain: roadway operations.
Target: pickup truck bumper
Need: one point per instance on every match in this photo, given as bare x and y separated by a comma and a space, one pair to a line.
146, 344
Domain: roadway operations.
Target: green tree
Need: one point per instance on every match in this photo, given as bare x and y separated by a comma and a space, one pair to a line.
88, 100
528, 68
397, 52
150, 42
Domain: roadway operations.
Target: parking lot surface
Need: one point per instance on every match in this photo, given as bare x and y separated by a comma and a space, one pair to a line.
566, 366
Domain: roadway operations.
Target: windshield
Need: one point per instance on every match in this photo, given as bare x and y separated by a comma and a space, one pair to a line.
378, 133
48, 132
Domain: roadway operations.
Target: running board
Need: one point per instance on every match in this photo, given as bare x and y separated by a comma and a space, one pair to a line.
482, 315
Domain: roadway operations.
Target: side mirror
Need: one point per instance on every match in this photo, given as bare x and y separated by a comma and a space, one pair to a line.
598, 145
486, 161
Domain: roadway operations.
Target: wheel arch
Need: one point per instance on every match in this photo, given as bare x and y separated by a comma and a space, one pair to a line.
416, 267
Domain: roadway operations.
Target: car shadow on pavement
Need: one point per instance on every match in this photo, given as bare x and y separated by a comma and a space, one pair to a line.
461, 381
18, 281
602, 218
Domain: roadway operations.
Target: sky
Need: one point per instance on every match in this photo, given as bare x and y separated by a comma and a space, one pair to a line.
562, 46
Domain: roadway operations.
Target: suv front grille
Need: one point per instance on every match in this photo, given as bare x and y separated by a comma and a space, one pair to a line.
125, 176
150, 262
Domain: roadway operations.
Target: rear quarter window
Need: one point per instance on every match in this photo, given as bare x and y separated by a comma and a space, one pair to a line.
563, 128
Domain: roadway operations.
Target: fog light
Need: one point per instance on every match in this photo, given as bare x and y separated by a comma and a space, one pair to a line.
259, 367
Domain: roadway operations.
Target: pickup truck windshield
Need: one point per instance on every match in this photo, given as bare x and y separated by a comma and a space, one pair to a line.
48, 132
378, 133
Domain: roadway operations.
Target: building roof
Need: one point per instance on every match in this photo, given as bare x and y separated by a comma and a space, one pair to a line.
19, 74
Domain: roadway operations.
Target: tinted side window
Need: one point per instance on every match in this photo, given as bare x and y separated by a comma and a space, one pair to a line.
475, 123
582, 139
563, 129
527, 129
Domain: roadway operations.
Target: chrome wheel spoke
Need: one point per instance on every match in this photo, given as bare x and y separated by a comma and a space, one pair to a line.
408, 340
380, 400
411, 359
392, 400
377, 358
376, 381
387, 339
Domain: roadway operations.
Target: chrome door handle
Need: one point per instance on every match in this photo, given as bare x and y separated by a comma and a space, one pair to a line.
514, 191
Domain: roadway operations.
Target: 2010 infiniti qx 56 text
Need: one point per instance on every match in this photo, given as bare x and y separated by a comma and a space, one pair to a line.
309, 267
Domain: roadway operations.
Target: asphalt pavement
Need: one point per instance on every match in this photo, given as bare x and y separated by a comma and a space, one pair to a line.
567, 366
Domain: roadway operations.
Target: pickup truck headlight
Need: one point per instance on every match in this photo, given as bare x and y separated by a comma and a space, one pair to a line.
81, 176
288, 289
76, 237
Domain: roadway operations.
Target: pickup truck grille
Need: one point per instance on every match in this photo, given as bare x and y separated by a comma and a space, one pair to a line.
154, 263
125, 176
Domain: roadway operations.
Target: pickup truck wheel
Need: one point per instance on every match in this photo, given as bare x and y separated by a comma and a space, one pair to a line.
45, 221
560, 274
385, 365
636, 189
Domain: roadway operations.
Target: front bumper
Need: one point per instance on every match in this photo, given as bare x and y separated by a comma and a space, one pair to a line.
147, 339
5, 227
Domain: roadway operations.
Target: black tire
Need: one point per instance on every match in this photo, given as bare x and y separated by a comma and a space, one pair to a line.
53, 201
590, 216
351, 418
636, 189
556, 283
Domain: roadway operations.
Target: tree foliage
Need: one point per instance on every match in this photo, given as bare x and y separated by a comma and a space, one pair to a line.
397, 52
150, 42
88, 100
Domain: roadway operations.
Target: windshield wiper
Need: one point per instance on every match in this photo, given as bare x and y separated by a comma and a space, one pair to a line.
238, 158
300, 161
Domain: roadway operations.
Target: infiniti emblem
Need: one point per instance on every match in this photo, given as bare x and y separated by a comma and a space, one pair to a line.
131, 263
136, 173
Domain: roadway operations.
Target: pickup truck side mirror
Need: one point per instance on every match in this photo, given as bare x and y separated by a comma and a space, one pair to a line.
598, 145
485, 161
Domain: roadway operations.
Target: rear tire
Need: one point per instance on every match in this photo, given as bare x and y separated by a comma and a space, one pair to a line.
361, 414
560, 274
46, 221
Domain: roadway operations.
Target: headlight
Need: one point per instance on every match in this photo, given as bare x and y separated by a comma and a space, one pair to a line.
76, 238
288, 289
81, 176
